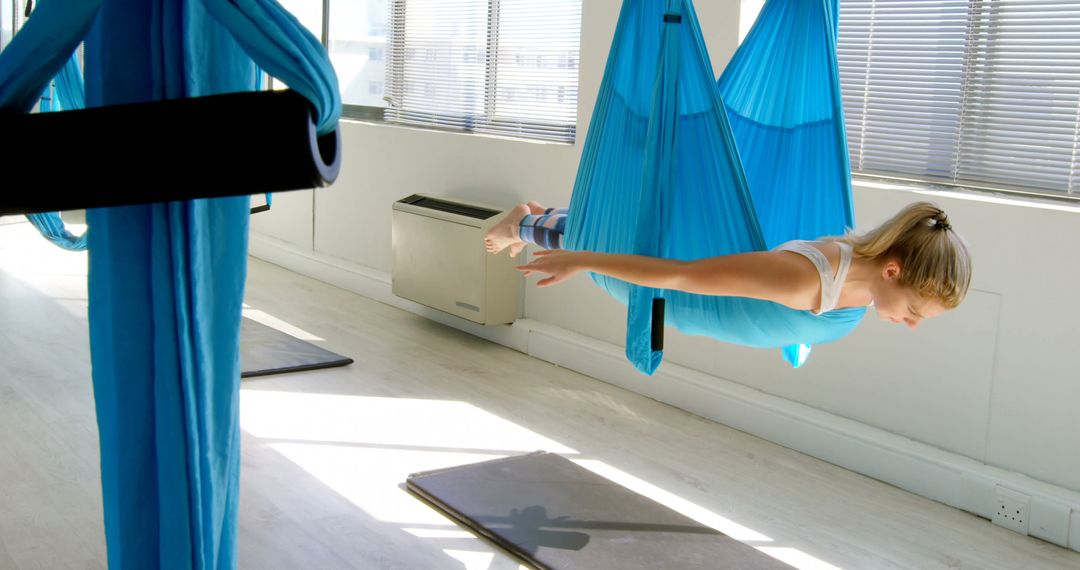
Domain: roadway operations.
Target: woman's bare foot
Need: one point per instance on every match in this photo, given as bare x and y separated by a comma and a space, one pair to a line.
505, 233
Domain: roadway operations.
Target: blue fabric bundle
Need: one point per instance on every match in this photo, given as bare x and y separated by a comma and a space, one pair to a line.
69, 95
661, 173
53, 229
166, 280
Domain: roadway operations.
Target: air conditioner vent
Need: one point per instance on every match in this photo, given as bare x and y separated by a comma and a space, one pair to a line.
421, 201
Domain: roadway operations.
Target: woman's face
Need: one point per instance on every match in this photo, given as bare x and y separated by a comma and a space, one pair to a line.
899, 304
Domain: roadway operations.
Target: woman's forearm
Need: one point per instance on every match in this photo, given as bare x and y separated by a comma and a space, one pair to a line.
637, 269
781, 277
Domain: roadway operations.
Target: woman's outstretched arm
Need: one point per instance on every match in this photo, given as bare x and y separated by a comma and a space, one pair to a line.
778, 276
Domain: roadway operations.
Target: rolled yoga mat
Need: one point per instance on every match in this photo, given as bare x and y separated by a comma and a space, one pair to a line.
553, 514
178, 149
265, 350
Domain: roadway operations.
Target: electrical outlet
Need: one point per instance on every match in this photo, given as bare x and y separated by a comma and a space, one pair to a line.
1011, 509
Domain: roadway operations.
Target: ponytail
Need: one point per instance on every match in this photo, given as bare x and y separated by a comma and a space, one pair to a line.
934, 259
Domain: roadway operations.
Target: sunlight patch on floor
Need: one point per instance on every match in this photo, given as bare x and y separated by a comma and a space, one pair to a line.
796, 558
330, 418
673, 501
273, 322
472, 560
438, 533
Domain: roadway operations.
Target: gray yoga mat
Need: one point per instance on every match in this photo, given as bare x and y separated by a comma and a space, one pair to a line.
553, 514
265, 350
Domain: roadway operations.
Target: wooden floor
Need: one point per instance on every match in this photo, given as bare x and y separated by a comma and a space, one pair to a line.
325, 453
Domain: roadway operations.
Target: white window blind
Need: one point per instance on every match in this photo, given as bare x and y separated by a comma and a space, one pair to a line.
12, 19
502, 67
979, 93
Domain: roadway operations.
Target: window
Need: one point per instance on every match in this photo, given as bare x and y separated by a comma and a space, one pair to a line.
504, 67
454, 64
354, 33
13, 17
358, 31
982, 93
7, 17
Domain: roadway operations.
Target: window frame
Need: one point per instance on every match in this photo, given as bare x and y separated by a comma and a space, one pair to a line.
366, 113
377, 115
372, 114
959, 183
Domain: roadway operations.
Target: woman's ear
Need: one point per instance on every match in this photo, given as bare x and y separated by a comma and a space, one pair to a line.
891, 270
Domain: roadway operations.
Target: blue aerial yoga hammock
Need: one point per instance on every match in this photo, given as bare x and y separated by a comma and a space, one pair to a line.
661, 174
166, 280
68, 94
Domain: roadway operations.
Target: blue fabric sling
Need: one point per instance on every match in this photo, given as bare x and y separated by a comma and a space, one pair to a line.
68, 95
166, 280
665, 169
53, 229
69, 91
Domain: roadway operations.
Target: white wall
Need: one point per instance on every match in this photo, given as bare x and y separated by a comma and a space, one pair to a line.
996, 381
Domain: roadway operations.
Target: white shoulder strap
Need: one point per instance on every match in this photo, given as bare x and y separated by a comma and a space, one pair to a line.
830, 284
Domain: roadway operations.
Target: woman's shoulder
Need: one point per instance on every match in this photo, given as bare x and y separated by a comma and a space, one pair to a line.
830, 249
802, 273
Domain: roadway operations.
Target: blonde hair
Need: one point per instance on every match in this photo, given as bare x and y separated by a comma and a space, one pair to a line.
934, 260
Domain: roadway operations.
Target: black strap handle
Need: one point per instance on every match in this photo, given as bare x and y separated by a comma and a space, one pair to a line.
658, 324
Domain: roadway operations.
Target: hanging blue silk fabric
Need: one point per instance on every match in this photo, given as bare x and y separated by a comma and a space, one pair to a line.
68, 94
661, 174
166, 280
53, 229
68, 91
782, 94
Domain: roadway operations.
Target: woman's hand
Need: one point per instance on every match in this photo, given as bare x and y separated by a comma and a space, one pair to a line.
559, 264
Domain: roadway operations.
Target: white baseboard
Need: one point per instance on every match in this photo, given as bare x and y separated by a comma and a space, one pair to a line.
940, 475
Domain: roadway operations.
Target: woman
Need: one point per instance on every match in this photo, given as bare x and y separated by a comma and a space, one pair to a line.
912, 267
